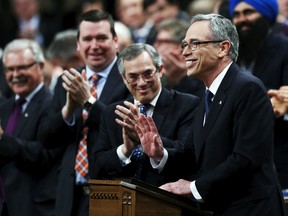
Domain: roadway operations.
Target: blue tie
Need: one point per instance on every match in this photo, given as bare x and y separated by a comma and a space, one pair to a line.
208, 100
138, 152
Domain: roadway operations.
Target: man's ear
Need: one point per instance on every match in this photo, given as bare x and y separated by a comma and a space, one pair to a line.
224, 48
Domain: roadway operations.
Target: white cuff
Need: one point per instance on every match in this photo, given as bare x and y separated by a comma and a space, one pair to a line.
160, 165
123, 159
195, 192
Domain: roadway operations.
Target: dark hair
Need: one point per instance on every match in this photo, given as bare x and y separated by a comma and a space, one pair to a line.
96, 16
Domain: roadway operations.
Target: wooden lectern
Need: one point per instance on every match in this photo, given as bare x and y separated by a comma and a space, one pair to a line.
134, 198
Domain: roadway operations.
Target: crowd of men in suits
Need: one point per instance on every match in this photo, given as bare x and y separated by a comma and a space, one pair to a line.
114, 118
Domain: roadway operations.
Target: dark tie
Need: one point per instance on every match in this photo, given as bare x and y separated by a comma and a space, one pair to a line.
208, 100
138, 152
15, 116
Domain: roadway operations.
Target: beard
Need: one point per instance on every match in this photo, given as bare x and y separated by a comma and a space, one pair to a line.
250, 40
256, 32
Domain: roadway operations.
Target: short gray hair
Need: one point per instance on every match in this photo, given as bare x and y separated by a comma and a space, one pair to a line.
131, 52
20, 44
221, 29
63, 46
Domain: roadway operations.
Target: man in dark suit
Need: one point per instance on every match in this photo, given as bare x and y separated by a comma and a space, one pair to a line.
264, 54
233, 129
73, 97
28, 171
173, 112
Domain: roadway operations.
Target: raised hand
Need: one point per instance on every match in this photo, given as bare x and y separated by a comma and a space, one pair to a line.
77, 85
149, 138
128, 118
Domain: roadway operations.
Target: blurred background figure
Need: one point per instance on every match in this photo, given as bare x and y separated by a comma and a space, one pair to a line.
27, 21
159, 10
200, 7
124, 35
168, 43
281, 25
132, 14
222, 7
62, 54
70, 18
92, 5
5, 91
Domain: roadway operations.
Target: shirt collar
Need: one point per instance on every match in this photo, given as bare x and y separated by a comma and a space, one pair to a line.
31, 95
104, 73
216, 83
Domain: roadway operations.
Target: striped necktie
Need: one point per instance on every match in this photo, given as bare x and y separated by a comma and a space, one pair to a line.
81, 164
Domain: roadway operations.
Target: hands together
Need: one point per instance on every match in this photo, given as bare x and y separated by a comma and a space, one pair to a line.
78, 91
139, 129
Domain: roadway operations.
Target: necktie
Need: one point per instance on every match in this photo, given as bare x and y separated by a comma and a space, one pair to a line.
138, 152
15, 116
81, 164
208, 100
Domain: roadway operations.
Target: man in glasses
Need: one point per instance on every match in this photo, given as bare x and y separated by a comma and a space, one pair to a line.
233, 128
118, 144
28, 177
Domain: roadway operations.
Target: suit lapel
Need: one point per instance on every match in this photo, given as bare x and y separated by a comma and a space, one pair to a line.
201, 133
161, 108
112, 81
31, 110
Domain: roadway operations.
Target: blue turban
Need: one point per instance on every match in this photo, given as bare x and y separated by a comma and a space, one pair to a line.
268, 8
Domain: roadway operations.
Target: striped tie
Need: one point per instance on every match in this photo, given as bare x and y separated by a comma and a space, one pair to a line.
81, 164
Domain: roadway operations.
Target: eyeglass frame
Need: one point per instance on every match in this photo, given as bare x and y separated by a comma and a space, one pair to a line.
148, 77
194, 44
21, 68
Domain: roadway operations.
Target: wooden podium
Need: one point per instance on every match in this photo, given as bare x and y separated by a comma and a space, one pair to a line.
134, 198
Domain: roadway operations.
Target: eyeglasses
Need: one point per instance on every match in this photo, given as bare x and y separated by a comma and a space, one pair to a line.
194, 44
147, 76
20, 68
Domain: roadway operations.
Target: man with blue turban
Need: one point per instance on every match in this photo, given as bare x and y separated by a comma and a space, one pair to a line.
265, 55
268, 8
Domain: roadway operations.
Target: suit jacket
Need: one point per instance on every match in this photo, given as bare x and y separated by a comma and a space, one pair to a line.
271, 67
234, 149
173, 116
58, 133
28, 170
